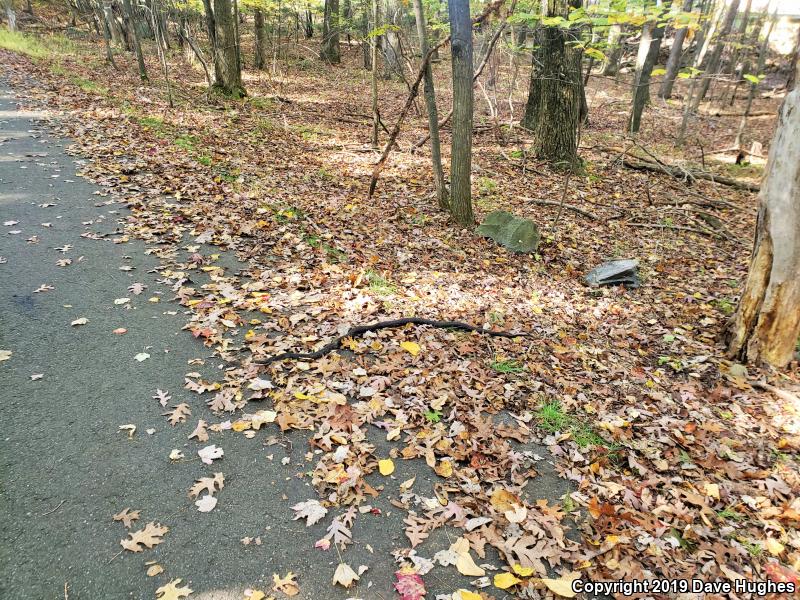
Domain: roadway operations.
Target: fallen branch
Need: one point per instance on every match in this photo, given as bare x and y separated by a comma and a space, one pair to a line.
362, 329
677, 227
580, 211
682, 173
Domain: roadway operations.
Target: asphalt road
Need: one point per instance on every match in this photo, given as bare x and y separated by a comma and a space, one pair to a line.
66, 467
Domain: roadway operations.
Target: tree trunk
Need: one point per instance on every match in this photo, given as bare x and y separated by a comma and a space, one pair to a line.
716, 54
649, 47
790, 82
132, 30
376, 117
222, 34
11, 15
762, 58
102, 16
766, 325
613, 52
329, 50
461, 152
261, 39
309, 27
391, 40
554, 96
674, 61
430, 104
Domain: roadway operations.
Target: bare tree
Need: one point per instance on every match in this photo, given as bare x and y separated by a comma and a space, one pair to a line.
766, 325
674, 61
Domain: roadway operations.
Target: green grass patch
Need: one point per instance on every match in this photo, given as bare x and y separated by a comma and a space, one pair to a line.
33, 45
379, 284
552, 418
87, 85
507, 366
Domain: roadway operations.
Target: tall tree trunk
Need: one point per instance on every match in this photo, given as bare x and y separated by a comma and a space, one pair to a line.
762, 59
461, 152
330, 33
376, 117
674, 61
430, 104
102, 16
790, 82
261, 39
553, 113
649, 47
309, 27
766, 325
716, 54
222, 32
613, 51
11, 15
391, 40
132, 30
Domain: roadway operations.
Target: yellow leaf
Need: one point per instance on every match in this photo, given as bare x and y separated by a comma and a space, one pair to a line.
154, 570
505, 580
171, 591
712, 490
411, 347
240, 425
256, 595
465, 595
444, 468
563, 585
775, 547
344, 575
465, 564
386, 466
522, 571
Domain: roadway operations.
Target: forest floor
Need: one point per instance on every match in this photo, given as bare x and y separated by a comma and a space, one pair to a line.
252, 216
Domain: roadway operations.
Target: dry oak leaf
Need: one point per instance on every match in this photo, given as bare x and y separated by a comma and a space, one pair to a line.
149, 536
344, 575
200, 431
171, 591
178, 414
206, 503
127, 516
286, 585
210, 485
210, 453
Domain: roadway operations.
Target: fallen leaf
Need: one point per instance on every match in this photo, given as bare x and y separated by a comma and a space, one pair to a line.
171, 591
774, 546
119, 301
120, 331
149, 536
141, 357
154, 570
286, 585
206, 503
344, 575
176, 455
200, 432
130, 428
386, 467
127, 516
5, 355
178, 414
80, 321
505, 580
210, 453
411, 347
310, 510
37, 376
208, 484
563, 585
465, 564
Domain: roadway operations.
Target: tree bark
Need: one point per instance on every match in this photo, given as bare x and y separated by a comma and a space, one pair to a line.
222, 34
330, 51
430, 105
260, 59
132, 31
716, 54
11, 15
614, 51
461, 152
766, 325
554, 97
649, 46
674, 61
762, 58
376, 117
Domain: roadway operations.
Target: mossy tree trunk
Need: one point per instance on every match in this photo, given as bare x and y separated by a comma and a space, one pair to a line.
766, 325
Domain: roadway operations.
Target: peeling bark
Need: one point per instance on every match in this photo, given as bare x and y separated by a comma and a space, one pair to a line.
766, 325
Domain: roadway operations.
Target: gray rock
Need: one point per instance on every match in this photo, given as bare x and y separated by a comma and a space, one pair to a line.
615, 272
